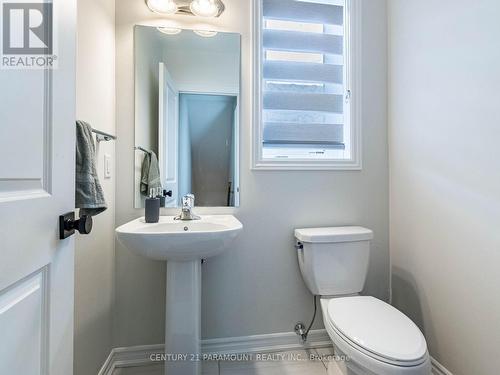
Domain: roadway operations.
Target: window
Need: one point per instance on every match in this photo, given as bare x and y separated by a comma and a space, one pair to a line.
306, 85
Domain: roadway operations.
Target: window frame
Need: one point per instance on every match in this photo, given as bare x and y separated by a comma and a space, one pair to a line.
352, 74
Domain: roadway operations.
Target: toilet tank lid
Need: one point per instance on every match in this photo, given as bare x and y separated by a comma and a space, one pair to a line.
333, 234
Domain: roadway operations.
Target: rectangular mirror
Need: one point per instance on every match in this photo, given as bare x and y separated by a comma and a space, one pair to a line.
187, 91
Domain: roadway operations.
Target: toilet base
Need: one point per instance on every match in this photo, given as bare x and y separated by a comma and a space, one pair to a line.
345, 367
336, 368
349, 368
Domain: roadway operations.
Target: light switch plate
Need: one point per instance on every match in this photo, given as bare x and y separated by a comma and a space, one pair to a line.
107, 166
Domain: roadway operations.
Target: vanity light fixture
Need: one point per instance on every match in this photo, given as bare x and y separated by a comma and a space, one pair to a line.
202, 8
169, 30
162, 6
205, 33
206, 8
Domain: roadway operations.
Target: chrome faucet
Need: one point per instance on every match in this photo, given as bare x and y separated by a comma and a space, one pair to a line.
187, 209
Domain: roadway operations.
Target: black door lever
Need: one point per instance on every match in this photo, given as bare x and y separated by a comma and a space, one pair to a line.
68, 225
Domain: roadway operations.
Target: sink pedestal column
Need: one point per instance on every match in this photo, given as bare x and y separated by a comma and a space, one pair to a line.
183, 318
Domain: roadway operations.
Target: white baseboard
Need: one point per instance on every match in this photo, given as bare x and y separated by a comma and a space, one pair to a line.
140, 355
438, 368
133, 356
275, 342
108, 367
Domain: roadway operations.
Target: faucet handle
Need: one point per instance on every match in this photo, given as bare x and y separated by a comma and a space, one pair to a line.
188, 200
187, 208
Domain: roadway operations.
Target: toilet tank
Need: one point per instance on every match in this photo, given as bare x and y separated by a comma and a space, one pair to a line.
334, 261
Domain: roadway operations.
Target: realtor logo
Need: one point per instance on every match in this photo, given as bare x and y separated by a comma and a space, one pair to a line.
27, 34
27, 28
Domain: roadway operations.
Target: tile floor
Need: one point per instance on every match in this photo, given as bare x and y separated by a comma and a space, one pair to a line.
307, 362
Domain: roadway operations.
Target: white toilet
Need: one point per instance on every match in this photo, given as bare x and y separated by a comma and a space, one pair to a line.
377, 338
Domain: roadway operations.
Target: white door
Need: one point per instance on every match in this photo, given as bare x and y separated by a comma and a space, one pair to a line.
168, 127
37, 164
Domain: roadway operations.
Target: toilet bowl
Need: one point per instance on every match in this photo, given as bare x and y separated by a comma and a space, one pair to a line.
374, 337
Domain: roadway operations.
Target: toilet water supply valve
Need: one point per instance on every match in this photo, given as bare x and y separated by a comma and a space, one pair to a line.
300, 328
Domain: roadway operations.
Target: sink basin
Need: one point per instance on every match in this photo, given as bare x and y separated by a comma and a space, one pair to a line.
182, 244
176, 240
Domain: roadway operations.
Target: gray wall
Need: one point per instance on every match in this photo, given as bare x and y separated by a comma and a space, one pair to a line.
256, 287
185, 162
94, 255
445, 181
148, 52
210, 124
147, 56
198, 64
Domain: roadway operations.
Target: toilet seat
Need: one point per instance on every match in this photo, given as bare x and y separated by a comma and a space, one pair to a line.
376, 329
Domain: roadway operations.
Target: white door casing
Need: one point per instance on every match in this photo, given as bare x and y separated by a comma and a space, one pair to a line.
168, 134
37, 174
236, 156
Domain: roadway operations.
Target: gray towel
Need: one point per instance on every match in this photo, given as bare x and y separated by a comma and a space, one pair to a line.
150, 173
89, 196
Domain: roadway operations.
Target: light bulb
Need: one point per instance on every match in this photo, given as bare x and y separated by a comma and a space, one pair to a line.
204, 8
169, 30
205, 33
162, 6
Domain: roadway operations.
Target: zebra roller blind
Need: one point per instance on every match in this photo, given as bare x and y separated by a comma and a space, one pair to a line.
303, 79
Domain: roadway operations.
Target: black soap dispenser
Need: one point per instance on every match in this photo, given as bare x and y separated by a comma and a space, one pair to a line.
152, 207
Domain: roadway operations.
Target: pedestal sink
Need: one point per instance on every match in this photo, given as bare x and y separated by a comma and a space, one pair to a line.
183, 244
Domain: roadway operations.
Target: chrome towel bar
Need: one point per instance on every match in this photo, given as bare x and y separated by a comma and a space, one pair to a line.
142, 149
102, 136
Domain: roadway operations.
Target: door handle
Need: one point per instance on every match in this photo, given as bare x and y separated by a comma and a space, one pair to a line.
68, 225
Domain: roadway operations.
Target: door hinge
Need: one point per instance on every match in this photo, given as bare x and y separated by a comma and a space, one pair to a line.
348, 94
